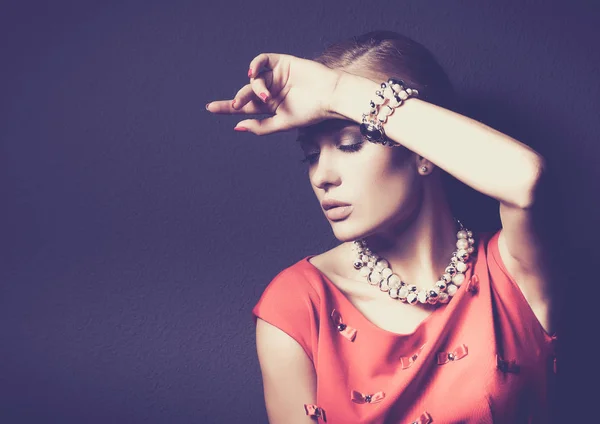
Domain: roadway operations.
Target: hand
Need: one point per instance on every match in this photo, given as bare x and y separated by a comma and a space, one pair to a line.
297, 92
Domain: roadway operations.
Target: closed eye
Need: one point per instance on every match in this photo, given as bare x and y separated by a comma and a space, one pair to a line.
350, 148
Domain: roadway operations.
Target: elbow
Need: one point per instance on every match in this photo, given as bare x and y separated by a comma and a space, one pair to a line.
532, 183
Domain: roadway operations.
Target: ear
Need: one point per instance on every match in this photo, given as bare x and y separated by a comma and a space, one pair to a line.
424, 166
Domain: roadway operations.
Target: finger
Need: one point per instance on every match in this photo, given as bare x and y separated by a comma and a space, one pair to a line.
264, 126
263, 60
260, 85
224, 107
243, 96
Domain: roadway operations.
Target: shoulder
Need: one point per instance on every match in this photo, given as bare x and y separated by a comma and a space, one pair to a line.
287, 340
299, 280
488, 243
495, 262
291, 302
508, 292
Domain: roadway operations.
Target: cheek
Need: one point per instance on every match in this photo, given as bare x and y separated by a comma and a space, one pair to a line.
388, 185
391, 194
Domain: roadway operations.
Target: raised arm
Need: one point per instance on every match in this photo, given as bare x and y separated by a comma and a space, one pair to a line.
288, 375
483, 158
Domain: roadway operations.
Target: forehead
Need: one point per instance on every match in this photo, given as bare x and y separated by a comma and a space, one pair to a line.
311, 135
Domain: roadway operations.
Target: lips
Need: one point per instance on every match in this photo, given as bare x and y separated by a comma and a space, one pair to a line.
339, 213
330, 204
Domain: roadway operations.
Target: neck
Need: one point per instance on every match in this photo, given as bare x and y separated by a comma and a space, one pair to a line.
419, 249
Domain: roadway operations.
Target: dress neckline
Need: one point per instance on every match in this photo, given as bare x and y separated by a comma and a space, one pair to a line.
437, 311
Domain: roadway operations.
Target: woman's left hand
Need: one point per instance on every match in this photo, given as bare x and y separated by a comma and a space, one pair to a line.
297, 92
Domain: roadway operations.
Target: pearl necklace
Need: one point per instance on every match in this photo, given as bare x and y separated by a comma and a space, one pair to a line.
378, 272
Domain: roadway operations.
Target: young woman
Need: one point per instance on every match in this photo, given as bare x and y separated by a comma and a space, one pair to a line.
413, 317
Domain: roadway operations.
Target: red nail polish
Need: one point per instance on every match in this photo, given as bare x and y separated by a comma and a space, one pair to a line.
250, 73
263, 96
240, 129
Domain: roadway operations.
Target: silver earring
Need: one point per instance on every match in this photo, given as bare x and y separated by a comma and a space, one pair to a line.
424, 168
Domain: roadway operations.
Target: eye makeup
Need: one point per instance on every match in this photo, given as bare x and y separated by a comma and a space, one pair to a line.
355, 146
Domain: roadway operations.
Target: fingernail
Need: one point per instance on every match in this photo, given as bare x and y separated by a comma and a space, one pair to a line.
249, 72
207, 106
240, 129
233, 103
263, 96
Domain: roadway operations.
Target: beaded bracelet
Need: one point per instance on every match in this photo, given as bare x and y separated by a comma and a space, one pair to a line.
393, 93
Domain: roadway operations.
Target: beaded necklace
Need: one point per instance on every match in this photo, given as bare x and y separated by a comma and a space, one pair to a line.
377, 271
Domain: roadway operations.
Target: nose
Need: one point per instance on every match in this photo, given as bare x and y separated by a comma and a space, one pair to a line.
325, 173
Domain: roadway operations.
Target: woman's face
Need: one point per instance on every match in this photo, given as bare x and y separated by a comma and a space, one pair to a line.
380, 184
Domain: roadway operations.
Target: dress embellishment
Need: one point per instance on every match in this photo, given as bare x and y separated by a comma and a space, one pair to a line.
507, 366
358, 397
458, 353
407, 361
473, 285
315, 411
345, 330
425, 418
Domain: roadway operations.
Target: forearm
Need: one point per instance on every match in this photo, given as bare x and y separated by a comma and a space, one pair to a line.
485, 159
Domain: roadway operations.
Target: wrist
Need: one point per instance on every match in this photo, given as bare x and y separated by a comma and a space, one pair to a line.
351, 96
330, 104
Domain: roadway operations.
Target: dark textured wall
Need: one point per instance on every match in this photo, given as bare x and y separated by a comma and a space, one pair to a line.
137, 230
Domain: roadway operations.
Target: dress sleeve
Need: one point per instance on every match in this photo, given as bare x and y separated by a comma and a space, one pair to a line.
290, 303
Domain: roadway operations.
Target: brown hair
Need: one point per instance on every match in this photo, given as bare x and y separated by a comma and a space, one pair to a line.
389, 54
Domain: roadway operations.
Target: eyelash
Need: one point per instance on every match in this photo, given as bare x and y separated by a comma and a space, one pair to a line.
350, 148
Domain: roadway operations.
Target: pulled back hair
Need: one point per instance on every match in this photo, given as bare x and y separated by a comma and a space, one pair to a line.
390, 54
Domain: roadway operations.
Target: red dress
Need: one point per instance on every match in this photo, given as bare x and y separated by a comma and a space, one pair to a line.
482, 358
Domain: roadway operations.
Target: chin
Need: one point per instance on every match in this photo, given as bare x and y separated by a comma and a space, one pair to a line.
346, 232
